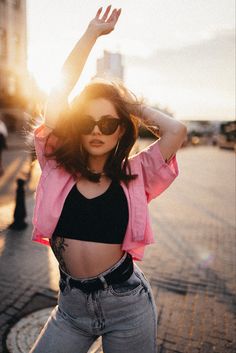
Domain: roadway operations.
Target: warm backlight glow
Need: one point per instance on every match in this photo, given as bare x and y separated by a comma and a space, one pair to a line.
175, 54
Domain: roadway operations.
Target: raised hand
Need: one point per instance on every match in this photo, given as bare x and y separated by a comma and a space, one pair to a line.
73, 66
105, 24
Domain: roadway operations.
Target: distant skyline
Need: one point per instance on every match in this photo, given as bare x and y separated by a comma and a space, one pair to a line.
177, 54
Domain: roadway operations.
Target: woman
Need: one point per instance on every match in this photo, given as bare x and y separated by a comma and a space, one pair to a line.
91, 207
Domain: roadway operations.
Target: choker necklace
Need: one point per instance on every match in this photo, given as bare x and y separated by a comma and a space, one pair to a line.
95, 172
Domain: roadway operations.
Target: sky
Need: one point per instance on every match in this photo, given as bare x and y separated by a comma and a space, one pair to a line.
177, 54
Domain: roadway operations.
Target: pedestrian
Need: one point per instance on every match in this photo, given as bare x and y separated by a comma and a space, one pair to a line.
3, 143
92, 207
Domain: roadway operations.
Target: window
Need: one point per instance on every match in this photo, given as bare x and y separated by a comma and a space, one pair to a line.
3, 43
16, 47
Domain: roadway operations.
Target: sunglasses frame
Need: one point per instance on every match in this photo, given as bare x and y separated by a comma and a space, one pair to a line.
99, 124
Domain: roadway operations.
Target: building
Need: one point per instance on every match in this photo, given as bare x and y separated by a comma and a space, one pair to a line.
110, 66
13, 53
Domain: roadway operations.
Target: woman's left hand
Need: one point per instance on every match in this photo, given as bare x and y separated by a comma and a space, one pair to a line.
105, 24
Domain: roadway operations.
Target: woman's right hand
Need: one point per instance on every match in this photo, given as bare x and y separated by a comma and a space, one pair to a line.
75, 62
104, 25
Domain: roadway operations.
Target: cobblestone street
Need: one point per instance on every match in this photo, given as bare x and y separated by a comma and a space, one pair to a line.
191, 267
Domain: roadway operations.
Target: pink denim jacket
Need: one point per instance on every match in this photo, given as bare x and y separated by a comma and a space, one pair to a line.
154, 176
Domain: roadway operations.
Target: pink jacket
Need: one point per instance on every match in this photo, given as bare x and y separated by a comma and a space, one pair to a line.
154, 176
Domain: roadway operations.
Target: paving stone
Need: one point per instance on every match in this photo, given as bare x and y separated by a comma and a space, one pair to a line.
4, 318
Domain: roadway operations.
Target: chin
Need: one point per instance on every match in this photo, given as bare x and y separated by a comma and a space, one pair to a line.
94, 152
97, 150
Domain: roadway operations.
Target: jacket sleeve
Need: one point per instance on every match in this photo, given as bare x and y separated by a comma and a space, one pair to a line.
41, 134
156, 172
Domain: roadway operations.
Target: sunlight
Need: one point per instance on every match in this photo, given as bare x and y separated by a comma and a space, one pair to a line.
44, 77
170, 61
46, 69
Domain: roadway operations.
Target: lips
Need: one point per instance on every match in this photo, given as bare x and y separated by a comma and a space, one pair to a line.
96, 142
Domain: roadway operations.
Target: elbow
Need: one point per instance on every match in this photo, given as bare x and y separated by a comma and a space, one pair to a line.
180, 130
183, 130
182, 134
178, 133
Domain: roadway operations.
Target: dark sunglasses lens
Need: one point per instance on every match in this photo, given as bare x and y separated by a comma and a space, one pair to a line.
108, 126
86, 126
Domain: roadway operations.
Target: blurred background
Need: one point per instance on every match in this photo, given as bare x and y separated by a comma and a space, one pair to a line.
180, 56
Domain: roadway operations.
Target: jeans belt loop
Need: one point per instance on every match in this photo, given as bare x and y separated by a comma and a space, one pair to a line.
68, 281
104, 282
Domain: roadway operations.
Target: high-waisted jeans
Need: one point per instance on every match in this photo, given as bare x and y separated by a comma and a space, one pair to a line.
124, 314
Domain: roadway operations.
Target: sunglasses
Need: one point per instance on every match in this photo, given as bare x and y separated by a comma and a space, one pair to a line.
107, 125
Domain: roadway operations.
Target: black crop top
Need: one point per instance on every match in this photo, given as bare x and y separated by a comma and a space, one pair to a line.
101, 219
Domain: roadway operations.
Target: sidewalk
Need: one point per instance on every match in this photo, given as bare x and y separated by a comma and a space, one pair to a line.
28, 272
192, 266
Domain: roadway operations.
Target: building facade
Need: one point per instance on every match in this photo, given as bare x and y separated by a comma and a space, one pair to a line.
110, 66
13, 51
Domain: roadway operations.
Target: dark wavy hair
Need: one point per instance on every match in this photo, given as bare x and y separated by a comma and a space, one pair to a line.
68, 151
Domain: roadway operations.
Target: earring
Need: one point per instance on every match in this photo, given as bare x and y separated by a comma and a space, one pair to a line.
81, 149
117, 147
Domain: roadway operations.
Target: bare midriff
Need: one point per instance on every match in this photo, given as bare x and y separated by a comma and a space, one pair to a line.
82, 259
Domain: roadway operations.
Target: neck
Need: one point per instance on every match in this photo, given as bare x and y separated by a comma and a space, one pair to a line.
98, 172
96, 164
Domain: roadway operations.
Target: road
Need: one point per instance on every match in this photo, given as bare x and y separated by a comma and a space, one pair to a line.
191, 267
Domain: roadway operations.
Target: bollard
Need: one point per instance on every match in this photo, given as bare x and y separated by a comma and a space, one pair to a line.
20, 209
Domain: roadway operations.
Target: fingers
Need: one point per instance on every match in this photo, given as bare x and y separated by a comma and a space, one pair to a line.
98, 13
104, 17
114, 16
117, 15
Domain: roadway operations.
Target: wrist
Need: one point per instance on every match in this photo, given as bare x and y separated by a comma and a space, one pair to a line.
91, 33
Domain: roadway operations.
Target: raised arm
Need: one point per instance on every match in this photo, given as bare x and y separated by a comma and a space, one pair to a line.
171, 131
74, 64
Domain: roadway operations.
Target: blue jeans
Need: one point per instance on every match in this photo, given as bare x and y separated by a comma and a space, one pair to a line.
124, 314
